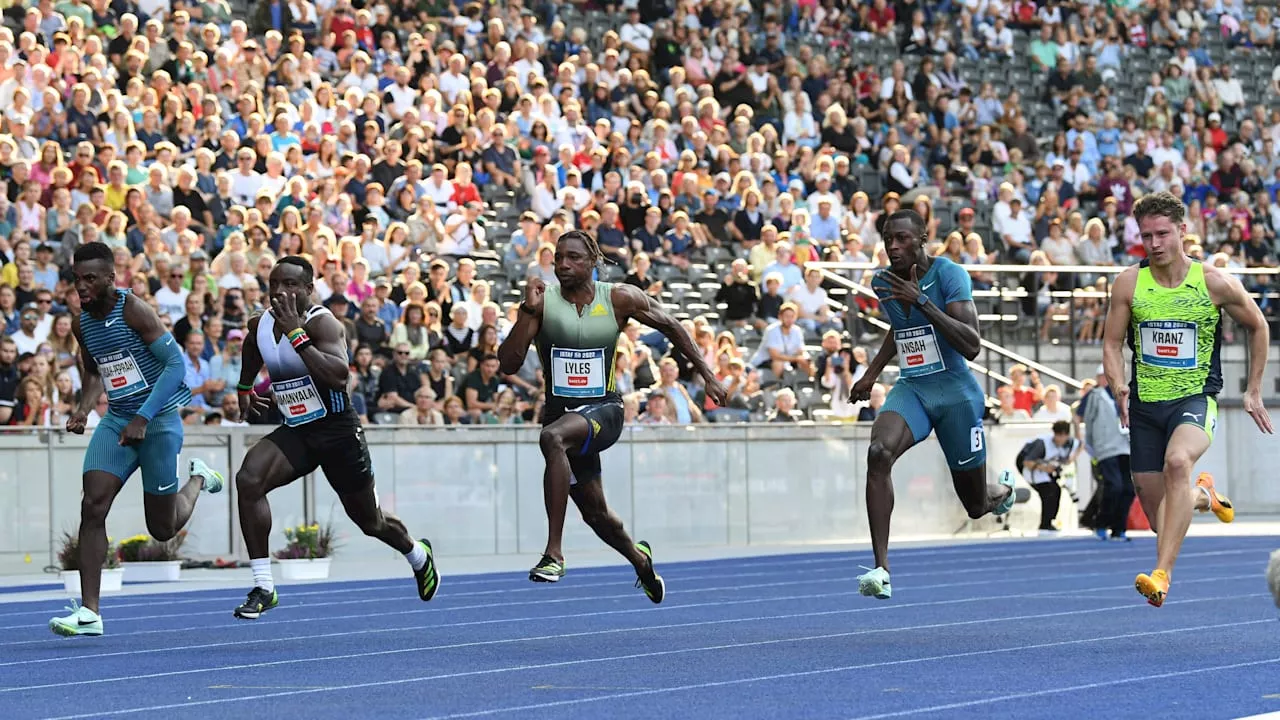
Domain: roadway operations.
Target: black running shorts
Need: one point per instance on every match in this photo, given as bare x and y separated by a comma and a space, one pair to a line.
1151, 424
604, 427
334, 444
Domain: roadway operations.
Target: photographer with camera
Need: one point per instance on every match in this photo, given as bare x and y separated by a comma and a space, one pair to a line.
1041, 462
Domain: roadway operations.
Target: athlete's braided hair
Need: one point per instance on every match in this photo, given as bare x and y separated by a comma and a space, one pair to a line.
1160, 204
593, 249
299, 262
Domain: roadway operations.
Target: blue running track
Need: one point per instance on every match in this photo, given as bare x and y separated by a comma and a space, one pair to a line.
1028, 630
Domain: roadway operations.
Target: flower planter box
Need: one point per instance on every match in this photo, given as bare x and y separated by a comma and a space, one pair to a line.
306, 569
112, 581
153, 571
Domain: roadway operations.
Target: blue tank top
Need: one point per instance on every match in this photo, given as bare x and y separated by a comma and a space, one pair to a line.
924, 355
125, 362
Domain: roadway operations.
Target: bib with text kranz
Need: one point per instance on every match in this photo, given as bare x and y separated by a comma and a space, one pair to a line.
121, 375
578, 373
922, 350
1168, 343
298, 400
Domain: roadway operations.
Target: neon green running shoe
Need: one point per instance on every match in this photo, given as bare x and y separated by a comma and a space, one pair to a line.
548, 569
655, 588
212, 478
875, 583
81, 621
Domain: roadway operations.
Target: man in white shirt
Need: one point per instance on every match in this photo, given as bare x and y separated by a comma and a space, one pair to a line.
245, 181
1229, 90
29, 337
454, 79
463, 235
782, 345
811, 300
636, 37
1016, 232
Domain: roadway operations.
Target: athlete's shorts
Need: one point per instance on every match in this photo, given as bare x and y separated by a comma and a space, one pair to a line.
335, 444
954, 411
604, 427
157, 454
1151, 424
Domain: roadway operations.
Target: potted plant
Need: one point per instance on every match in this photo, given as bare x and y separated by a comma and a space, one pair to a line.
69, 564
149, 560
308, 553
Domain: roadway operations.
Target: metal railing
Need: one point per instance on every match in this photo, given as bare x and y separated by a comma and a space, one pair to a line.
1054, 335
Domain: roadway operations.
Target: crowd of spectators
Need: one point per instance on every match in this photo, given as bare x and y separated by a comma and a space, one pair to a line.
425, 155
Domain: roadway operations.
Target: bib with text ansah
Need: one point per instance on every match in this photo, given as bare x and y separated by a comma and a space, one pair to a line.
577, 373
298, 400
1168, 344
121, 376
918, 352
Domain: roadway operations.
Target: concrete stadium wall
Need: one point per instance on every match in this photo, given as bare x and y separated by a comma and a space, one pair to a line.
477, 491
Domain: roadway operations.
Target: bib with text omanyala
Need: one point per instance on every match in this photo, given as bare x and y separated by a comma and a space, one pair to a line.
1168, 344
299, 400
577, 373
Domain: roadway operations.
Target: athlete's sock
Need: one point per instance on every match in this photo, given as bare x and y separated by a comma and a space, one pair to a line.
262, 574
1208, 499
417, 557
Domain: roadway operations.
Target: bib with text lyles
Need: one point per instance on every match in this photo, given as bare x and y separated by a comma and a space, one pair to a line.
121, 376
1168, 343
918, 353
577, 373
299, 400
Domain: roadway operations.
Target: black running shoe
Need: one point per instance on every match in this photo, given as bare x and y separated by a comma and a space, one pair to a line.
258, 602
428, 577
654, 587
548, 569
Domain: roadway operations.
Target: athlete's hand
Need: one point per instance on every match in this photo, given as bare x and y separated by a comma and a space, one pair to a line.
1253, 406
906, 291
252, 405
284, 307
135, 432
715, 390
861, 390
1122, 403
534, 292
76, 422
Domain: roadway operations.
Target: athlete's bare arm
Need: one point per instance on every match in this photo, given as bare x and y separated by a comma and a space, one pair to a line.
91, 383
1119, 312
143, 319
630, 302
326, 358
251, 405
958, 322
861, 389
1227, 293
512, 351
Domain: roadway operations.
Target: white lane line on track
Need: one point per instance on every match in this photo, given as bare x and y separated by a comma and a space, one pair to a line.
844, 561
990, 565
1077, 688
659, 653
604, 613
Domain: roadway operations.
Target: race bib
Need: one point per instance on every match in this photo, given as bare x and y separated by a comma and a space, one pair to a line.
918, 352
1168, 344
121, 376
298, 400
577, 373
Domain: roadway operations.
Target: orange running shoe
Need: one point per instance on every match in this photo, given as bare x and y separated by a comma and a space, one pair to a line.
1218, 503
1153, 587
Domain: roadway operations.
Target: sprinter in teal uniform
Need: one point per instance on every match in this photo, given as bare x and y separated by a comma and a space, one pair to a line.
576, 326
929, 303
127, 353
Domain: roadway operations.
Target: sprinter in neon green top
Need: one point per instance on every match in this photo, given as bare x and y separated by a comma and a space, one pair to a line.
1169, 310
577, 325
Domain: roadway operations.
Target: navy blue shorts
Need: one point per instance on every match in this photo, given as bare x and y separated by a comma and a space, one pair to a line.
604, 427
953, 410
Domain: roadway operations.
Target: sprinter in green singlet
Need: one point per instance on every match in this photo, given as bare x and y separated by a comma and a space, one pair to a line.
576, 326
1169, 309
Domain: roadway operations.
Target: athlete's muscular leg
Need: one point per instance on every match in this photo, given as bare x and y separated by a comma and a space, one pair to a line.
1150, 490
362, 508
167, 514
569, 431
890, 438
1186, 446
264, 469
588, 495
979, 496
100, 490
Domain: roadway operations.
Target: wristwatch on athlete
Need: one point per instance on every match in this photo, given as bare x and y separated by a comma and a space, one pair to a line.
527, 310
923, 300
